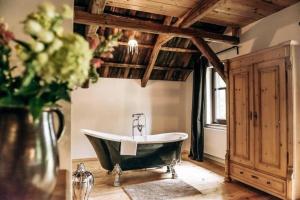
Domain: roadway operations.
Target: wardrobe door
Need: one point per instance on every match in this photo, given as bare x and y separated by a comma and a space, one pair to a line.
270, 117
240, 108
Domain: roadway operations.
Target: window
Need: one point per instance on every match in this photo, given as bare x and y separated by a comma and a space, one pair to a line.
215, 98
218, 99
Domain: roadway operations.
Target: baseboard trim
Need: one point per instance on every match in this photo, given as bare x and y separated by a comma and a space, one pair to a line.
207, 157
214, 160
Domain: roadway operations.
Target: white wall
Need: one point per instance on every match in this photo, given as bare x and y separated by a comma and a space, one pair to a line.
272, 30
108, 105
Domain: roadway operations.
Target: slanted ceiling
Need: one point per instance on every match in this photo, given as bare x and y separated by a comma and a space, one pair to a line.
169, 57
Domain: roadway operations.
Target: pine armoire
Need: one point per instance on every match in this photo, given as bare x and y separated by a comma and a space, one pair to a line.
263, 98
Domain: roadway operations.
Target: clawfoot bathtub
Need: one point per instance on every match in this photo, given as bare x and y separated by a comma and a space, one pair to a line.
152, 151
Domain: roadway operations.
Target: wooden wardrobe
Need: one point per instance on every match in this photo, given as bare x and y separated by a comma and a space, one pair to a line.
264, 120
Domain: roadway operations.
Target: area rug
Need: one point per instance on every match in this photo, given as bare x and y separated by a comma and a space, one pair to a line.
160, 190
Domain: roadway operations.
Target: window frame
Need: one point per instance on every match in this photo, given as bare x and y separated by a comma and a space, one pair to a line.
213, 102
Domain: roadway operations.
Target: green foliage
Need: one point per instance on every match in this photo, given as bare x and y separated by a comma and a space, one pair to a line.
107, 45
27, 90
53, 63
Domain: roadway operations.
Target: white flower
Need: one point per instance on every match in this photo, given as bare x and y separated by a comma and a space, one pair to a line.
21, 53
56, 44
37, 46
32, 27
48, 8
42, 58
66, 12
59, 30
46, 36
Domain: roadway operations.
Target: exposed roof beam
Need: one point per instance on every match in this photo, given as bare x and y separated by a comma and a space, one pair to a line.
200, 11
95, 7
173, 8
154, 54
210, 55
136, 66
113, 21
172, 49
185, 21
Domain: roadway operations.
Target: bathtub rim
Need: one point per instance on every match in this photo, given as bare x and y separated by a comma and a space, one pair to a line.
118, 138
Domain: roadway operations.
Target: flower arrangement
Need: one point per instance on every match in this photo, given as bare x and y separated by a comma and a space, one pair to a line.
52, 63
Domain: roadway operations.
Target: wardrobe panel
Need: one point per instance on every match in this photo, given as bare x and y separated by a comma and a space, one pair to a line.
270, 117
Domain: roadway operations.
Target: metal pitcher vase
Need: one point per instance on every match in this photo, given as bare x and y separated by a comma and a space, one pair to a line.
28, 154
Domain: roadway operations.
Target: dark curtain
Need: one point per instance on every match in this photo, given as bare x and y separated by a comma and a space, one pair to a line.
198, 109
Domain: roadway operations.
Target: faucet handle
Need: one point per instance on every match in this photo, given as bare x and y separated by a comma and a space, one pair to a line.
137, 114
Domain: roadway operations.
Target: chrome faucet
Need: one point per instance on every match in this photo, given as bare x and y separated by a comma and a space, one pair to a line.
136, 123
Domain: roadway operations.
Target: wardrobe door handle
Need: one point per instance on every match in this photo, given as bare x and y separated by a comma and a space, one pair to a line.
255, 177
255, 116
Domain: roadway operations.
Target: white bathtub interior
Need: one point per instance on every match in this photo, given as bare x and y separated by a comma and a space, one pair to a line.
152, 138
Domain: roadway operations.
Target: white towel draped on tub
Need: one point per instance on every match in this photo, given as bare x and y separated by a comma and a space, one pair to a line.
128, 147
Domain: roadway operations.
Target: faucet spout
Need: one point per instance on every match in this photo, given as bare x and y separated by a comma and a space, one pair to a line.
136, 123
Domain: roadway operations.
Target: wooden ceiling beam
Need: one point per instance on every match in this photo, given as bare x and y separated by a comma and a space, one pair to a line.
171, 49
205, 49
95, 7
154, 54
189, 18
136, 66
173, 8
200, 11
113, 21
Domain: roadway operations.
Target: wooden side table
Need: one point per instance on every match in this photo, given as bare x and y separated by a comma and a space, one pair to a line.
61, 188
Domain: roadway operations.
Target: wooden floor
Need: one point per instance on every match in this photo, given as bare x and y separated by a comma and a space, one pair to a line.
206, 177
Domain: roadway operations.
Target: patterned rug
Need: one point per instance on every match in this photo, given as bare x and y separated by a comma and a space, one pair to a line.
160, 190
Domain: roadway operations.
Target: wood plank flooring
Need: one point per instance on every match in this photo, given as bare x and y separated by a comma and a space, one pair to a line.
206, 177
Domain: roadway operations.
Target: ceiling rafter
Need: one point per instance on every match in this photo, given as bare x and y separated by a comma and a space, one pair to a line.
229, 13
210, 55
127, 23
159, 42
171, 49
137, 66
200, 11
192, 16
95, 7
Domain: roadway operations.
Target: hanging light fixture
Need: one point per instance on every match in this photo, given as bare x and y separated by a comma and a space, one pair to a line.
133, 46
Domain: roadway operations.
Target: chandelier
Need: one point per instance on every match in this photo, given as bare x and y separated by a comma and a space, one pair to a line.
133, 46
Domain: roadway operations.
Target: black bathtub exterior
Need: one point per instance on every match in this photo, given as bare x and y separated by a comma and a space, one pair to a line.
148, 155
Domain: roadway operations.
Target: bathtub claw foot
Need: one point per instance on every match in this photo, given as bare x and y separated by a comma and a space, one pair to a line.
174, 174
117, 171
168, 169
172, 169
